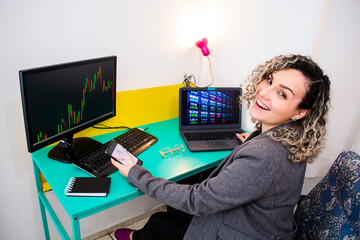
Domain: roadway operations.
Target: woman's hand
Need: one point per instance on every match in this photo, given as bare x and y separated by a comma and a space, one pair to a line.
242, 136
124, 169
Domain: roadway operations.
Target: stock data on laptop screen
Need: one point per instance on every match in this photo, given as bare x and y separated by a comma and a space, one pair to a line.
215, 107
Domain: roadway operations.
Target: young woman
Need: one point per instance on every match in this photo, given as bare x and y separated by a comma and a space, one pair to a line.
253, 191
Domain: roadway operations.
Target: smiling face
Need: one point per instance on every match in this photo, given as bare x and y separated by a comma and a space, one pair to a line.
277, 99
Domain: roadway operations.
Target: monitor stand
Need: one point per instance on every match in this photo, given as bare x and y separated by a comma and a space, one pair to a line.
69, 149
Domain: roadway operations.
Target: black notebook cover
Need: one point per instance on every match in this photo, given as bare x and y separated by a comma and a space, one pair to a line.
88, 187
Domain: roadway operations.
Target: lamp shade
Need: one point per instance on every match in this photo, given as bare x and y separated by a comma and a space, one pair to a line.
202, 44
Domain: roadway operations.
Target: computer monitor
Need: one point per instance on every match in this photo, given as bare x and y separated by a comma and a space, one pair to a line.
61, 100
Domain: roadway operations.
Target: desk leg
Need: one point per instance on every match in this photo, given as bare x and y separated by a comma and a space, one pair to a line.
76, 228
45, 205
42, 207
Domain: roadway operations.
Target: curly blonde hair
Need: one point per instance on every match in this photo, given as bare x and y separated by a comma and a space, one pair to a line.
303, 138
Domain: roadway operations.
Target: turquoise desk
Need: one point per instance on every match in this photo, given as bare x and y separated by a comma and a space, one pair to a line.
58, 174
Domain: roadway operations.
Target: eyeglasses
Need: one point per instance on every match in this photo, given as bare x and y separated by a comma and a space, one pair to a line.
168, 152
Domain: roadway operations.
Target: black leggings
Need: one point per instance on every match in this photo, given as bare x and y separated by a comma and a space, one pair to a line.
164, 225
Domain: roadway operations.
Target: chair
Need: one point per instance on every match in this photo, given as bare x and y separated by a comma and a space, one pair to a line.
331, 209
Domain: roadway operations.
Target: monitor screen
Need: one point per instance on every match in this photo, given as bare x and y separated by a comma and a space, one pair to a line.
61, 100
210, 108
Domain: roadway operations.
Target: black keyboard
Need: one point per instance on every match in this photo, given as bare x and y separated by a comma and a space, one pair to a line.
204, 136
98, 162
136, 140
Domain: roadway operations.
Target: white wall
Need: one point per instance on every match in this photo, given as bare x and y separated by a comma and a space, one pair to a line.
148, 38
337, 50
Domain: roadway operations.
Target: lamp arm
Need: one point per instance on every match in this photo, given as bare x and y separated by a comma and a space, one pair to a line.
187, 78
211, 72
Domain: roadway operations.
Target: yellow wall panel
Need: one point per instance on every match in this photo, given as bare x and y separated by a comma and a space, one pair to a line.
136, 108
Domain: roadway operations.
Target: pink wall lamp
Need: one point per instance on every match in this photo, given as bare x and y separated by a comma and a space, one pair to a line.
202, 44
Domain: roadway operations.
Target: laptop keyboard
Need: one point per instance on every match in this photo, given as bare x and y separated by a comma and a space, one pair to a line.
134, 140
204, 136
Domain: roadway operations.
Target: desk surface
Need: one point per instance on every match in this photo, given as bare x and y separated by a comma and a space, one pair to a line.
174, 168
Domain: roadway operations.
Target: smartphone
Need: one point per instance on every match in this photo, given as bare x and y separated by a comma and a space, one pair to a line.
118, 153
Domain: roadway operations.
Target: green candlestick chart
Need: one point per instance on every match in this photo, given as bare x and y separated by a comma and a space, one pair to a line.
75, 112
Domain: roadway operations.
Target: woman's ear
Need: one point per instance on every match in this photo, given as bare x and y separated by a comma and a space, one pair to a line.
301, 114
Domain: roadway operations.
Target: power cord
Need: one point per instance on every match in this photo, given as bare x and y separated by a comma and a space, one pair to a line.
103, 126
187, 78
110, 236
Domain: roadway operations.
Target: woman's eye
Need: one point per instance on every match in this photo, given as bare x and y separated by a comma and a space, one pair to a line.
269, 81
282, 94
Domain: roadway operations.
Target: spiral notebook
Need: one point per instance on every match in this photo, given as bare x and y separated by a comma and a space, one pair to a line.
88, 187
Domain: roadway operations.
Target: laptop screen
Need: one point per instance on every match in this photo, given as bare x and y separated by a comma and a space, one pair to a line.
210, 107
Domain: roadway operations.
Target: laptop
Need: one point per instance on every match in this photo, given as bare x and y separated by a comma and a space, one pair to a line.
209, 118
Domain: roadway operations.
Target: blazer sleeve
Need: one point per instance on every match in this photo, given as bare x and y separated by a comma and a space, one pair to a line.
246, 176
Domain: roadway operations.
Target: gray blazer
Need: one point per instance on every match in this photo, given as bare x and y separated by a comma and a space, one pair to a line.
250, 195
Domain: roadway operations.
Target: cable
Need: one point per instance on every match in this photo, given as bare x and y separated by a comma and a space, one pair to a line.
187, 78
108, 127
211, 72
110, 236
